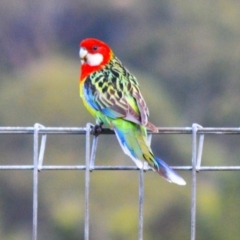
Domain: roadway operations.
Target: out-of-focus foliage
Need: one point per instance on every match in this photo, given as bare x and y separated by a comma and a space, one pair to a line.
185, 55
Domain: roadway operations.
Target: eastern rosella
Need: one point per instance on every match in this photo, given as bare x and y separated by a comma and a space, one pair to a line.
112, 95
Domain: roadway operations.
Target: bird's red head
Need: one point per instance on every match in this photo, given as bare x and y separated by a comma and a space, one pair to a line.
94, 55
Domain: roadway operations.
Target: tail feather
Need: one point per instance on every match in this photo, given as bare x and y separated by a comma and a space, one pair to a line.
133, 141
169, 174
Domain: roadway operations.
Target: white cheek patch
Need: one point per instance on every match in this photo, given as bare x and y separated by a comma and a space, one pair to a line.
94, 59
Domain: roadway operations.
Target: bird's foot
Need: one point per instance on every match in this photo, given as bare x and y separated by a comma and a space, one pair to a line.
97, 129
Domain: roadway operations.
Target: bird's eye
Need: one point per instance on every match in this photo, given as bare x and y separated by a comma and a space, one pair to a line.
95, 48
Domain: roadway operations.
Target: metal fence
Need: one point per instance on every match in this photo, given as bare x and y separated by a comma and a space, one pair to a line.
41, 132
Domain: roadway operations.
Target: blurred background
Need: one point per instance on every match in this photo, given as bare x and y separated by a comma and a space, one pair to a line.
186, 56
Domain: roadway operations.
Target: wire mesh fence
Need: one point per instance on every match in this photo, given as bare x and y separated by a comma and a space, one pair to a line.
41, 132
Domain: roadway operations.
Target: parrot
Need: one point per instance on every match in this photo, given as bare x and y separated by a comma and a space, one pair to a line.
112, 95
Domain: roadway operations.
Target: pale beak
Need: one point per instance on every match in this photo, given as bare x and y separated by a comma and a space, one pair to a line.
83, 55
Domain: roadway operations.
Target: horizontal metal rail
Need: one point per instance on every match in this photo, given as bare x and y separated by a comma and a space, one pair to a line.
115, 168
83, 130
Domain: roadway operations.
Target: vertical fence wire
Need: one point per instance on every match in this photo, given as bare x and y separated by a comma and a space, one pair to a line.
87, 181
198, 132
35, 182
140, 204
194, 181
